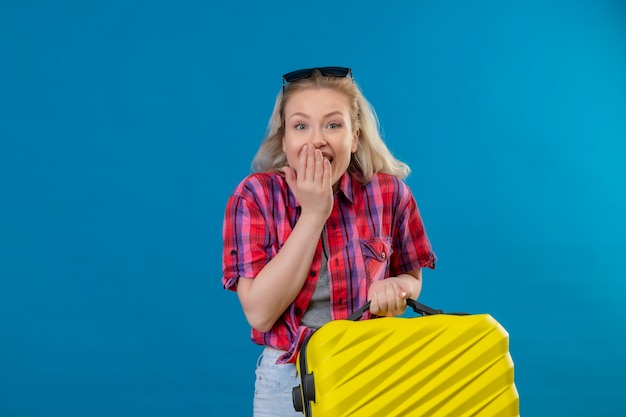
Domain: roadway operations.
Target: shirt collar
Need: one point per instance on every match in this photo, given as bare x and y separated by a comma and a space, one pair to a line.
345, 186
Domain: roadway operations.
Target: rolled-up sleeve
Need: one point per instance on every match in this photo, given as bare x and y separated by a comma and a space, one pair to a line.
412, 246
245, 237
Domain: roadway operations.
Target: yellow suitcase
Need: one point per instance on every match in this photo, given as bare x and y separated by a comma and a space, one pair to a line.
437, 364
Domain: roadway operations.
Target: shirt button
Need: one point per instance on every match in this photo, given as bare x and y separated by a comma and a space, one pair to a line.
312, 273
384, 255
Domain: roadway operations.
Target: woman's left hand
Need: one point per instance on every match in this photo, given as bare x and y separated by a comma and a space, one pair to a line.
388, 297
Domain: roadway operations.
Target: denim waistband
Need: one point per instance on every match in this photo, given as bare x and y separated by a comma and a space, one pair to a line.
269, 356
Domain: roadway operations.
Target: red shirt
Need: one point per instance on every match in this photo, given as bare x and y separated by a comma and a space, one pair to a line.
374, 231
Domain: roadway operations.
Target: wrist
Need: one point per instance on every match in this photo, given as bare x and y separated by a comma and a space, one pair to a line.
313, 219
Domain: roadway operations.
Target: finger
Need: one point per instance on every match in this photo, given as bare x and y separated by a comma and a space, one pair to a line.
319, 167
373, 298
327, 175
383, 305
401, 305
310, 163
396, 298
374, 306
404, 293
393, 301
302, 157
384, 298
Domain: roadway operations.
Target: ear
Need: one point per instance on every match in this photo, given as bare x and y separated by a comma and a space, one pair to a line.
355, 140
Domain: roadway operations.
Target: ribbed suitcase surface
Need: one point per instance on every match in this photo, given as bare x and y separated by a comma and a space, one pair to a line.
435, 365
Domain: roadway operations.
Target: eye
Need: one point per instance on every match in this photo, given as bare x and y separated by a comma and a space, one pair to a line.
334, 125
299, 126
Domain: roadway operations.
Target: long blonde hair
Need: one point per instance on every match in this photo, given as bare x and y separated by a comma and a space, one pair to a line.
372, 155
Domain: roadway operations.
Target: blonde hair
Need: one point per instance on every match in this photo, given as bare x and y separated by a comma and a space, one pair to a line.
372, 155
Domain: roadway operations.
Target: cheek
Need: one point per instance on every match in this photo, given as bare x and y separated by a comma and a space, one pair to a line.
291, 152
287, 146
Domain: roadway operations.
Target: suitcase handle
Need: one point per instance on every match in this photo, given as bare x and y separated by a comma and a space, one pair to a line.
418, 308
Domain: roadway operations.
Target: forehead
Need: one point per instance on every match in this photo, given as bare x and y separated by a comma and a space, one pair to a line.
317, 101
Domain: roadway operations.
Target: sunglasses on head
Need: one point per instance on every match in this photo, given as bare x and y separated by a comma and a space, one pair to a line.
308, 72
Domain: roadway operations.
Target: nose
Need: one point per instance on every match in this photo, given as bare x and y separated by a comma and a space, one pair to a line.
318, 139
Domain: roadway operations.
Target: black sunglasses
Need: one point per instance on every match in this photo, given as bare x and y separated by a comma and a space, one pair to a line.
308, 72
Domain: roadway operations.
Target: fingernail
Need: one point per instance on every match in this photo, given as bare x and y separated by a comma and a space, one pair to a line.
403, 294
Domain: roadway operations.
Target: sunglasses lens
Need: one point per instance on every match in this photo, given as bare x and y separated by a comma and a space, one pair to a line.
298, 75
326, 71
335, 71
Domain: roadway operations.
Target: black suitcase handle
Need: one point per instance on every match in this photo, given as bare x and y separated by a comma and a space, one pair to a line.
419, 308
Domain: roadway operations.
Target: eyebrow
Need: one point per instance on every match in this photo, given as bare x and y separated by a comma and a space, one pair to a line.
327, 115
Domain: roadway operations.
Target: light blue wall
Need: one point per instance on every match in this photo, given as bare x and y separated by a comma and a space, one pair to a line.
124, 126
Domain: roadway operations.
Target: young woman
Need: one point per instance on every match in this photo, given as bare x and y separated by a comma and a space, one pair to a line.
323, 224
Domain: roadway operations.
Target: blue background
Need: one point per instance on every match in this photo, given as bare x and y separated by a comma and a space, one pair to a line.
124, 126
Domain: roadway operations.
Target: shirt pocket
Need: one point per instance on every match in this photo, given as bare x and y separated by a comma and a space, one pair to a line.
376, 253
